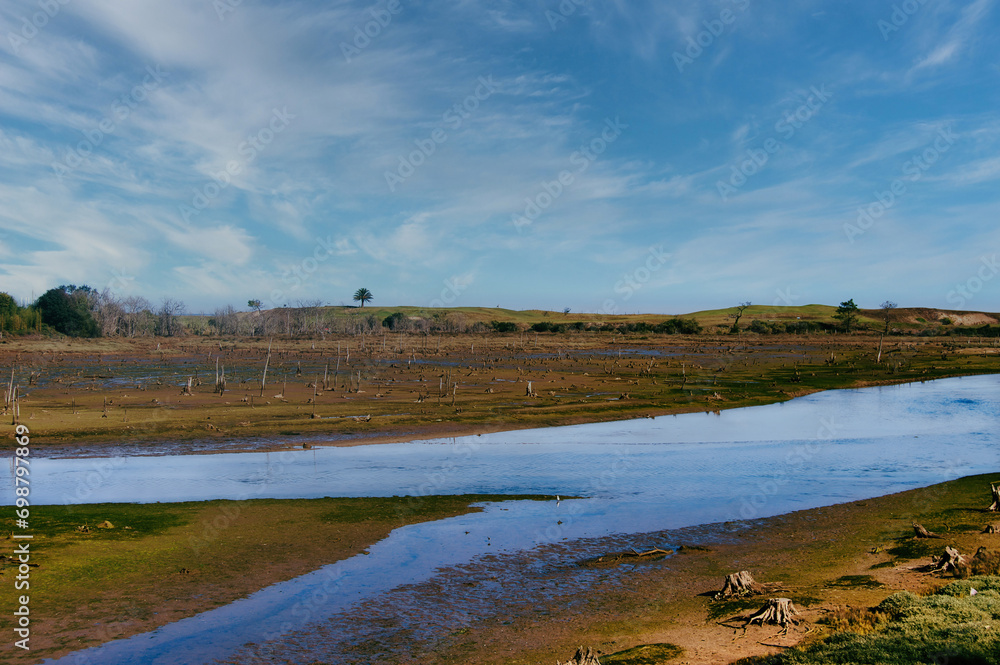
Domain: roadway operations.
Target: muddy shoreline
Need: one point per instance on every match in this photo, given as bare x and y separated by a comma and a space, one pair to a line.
128, 397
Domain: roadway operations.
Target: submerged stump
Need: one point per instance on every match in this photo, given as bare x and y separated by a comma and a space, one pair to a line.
738, 584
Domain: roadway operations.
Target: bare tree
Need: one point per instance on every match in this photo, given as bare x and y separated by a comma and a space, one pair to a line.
886, 308
736, 317
108, 312
167, 324
226, 321
134, 309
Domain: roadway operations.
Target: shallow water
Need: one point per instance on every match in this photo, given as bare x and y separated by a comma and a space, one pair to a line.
639, 476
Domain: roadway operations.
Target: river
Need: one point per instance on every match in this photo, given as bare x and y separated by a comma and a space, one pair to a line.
638, 478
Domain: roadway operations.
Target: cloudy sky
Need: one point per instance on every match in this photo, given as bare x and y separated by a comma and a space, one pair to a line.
616, 155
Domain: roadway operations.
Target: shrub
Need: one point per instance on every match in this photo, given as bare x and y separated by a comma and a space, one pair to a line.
950, 626
395, 321
678, 326
503, 326
67, 310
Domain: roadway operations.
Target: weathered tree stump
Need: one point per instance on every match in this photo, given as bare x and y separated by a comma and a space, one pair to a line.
778, 611
921, 532
738, 584
995, 489
950, 561
992, 528
583, 658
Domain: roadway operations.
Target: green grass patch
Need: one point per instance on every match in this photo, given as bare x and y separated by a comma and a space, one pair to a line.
952, 626
647, 654
914, 548
347, 511
145, 519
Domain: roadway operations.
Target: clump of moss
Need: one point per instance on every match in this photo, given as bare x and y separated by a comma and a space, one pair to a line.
647, 654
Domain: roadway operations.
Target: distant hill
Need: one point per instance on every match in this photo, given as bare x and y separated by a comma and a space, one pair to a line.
906, 318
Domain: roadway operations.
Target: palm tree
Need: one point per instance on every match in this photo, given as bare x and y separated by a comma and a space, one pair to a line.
363, 295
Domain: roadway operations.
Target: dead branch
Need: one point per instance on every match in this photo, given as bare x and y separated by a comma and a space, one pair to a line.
921, 532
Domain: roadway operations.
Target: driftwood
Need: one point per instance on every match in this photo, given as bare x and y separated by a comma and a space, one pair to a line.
582, 657
995, 506
618, 557
951, 560
778, 611
738, 584
921, 532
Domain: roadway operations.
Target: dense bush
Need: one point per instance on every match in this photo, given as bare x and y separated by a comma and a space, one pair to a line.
395, 321
546, 326
982, 331
67, 310
503, 326
679, 326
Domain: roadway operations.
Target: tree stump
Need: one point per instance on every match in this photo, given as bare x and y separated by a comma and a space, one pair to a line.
738, 584
992, 528
995, 489
921, 532
778, 611
583, 658
949, 561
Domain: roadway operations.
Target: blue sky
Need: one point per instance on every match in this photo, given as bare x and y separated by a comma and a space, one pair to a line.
601, 155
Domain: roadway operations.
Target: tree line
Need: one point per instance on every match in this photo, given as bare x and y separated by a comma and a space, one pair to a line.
81, 311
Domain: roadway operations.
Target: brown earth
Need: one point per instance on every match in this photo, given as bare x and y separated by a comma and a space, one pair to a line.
85, 396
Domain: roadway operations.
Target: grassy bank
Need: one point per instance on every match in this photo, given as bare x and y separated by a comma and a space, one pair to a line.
138, 566
834, 563
160, 562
